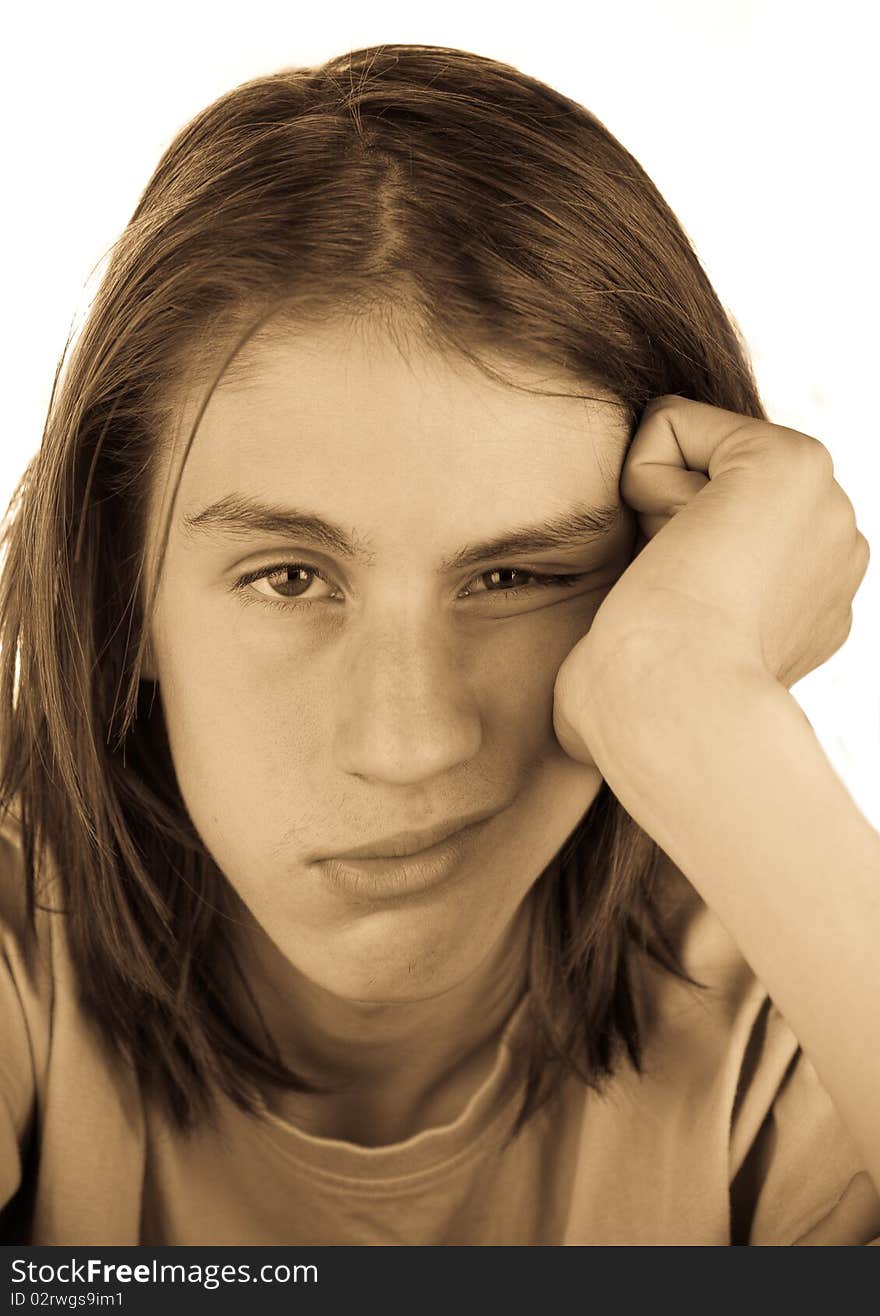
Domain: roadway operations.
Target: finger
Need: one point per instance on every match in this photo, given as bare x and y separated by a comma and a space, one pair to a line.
677, 447
658, 491
863, 556
693, 430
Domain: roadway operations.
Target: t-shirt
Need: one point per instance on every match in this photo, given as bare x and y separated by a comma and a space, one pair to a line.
726, 1136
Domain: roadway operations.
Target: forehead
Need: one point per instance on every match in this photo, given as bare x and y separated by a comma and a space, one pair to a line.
347, 417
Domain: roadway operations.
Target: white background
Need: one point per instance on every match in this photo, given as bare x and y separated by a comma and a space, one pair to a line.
757, 120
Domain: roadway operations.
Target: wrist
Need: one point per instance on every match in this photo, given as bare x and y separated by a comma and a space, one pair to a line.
633, 689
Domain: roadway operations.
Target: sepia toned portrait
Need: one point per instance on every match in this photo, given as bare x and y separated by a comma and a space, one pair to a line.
409, 834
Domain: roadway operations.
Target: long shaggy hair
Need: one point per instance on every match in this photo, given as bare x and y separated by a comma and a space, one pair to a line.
495, 216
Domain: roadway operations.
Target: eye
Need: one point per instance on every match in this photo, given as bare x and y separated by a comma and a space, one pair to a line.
291, 585
286, 581
518, 580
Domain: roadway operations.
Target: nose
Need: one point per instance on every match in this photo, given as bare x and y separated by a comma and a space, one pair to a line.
404, 711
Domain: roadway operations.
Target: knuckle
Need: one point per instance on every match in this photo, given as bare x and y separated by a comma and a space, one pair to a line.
844, 629
817, 455
636, 487
661, 402
799, 453
864, 548
566, 683
862, 557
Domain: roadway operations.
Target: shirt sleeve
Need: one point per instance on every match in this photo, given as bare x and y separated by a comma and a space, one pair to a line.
17, 985
800, 1178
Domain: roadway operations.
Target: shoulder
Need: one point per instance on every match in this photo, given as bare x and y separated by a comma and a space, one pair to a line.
28, 954
732, 1057
25, 955
701, 1024
58, 1083
25, 950
25, 1005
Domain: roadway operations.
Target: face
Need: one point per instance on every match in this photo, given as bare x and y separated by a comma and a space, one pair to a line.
371, 665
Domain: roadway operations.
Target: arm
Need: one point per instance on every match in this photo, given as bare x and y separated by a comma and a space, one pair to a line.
716, 761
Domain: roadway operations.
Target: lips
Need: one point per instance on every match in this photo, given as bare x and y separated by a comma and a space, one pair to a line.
401, 844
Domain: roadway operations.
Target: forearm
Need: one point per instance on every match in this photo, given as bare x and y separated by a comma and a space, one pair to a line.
723, 770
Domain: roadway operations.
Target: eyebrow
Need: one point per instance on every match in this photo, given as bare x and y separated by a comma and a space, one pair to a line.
239, 517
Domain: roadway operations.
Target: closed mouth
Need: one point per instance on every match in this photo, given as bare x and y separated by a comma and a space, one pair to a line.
403, 844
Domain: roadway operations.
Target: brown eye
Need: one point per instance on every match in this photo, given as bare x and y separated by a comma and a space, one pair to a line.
505, 578
283, 583
290, 581
516, 580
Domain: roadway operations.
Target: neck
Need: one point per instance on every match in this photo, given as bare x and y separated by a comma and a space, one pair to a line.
393, 1068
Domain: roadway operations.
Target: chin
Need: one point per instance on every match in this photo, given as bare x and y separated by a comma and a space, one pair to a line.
414, 972
388, 989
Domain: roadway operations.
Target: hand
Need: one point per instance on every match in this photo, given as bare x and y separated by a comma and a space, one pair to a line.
751, 551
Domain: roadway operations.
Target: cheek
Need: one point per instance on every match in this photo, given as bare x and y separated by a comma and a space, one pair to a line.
249, 731
241, 703
239, 728
514, 668
248, 718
